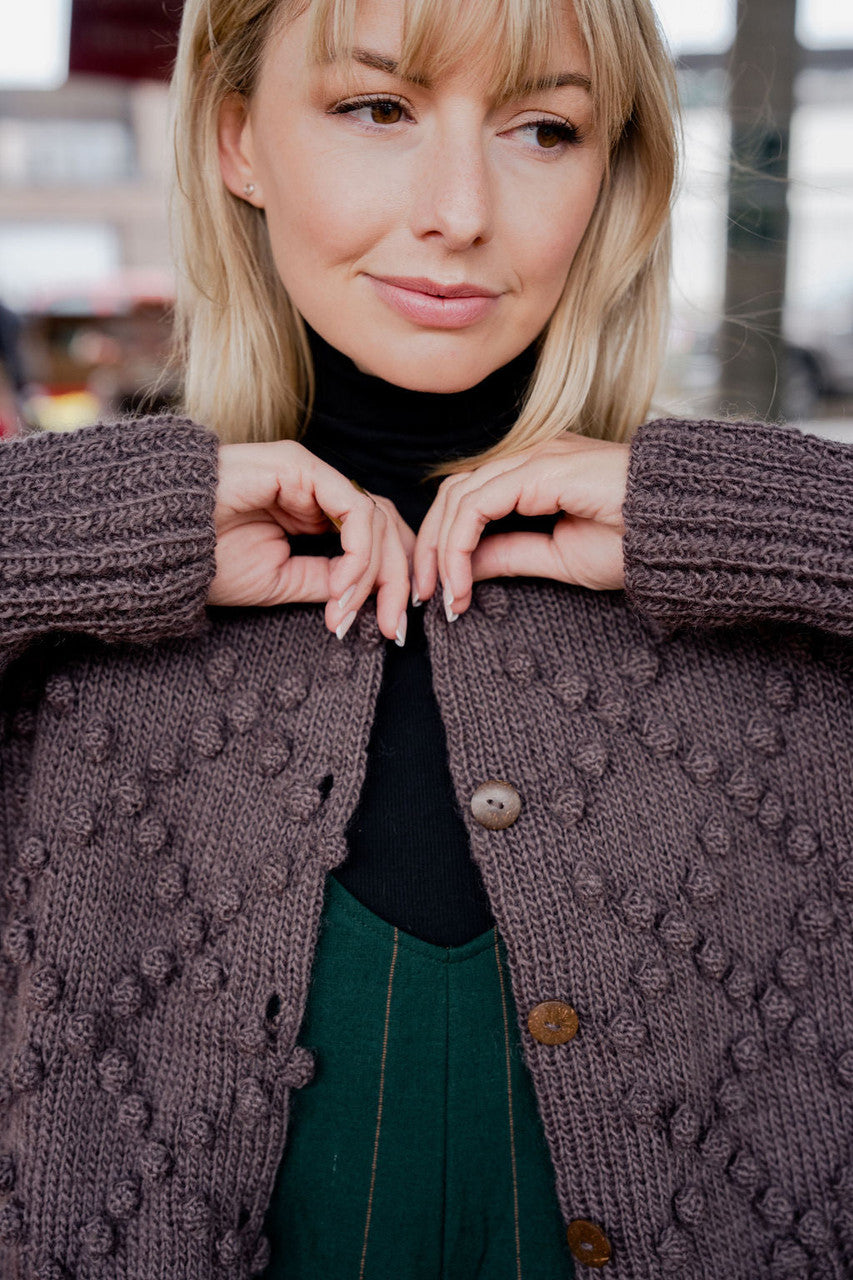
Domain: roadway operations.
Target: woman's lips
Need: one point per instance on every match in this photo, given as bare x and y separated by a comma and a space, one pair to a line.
426, 309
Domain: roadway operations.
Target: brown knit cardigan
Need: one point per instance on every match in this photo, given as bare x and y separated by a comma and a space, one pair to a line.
175, 783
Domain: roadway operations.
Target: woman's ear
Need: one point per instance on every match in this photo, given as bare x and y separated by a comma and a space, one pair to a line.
236, 154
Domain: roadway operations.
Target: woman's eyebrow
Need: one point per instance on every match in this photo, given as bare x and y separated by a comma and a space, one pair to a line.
557, 80
382, 62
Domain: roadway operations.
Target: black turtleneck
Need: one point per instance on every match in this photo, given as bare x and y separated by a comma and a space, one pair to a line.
409, 859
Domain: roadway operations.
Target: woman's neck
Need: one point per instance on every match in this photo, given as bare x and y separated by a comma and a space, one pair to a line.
387, 437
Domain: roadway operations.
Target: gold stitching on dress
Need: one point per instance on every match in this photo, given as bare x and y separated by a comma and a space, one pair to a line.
379, 1107
511, 1123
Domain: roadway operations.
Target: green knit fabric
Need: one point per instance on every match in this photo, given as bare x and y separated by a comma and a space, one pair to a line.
417, 1150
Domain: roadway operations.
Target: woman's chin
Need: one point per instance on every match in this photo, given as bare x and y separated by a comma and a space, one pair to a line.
443, 367
426, 380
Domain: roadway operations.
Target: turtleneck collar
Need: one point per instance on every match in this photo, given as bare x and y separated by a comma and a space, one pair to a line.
387, 437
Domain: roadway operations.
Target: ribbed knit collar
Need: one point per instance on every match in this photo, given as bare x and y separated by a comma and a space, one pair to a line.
387, 437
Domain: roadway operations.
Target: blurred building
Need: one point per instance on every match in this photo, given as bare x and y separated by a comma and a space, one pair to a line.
82, 189
84, 244
813, 304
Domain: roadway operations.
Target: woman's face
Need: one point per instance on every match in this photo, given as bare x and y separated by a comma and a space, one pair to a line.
424, 182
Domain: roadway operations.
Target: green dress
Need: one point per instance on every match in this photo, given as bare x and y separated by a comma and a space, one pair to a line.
417, 1151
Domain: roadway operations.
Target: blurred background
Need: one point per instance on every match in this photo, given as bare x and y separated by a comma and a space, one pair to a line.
763, 283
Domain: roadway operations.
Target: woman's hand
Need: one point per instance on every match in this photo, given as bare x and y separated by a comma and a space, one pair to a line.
585, 479
267, 491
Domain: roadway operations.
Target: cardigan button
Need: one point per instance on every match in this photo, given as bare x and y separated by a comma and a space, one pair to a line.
495, 804
552, 1022
588, 1243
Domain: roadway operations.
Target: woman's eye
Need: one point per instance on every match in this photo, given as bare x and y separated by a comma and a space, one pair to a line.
382, 110
552, 135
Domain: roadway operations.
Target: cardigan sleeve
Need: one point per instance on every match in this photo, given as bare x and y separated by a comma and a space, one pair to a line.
107, 530
731, 523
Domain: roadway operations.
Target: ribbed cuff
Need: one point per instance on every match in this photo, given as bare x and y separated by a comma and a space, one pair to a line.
108, 530
732, 522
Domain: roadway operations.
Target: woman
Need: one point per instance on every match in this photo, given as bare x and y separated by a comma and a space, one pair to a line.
627, 812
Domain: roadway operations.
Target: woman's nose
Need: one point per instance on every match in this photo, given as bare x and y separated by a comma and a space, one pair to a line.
452, 187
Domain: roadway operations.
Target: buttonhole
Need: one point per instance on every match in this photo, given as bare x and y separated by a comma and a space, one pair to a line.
243, 1219
273, 1006
326, 785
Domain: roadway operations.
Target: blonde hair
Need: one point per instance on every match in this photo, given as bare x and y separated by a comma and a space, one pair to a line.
240, 344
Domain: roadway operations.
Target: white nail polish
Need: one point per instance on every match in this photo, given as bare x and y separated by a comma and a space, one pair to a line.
344, 626
448, 602
416, 600
346, 597
401, 630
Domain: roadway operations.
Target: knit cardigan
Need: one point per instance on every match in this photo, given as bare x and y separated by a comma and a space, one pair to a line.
176, 780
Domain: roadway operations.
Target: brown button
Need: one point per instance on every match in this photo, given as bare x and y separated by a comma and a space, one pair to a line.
588, 1243
495, 804
552, 1022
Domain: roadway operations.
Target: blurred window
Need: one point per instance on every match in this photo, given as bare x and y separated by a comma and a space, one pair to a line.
699, 215
821, 202
34, 48
38, 258
59, 153
705, 28
825, 24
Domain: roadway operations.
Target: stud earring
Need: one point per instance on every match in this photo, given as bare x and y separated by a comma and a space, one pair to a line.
249, 188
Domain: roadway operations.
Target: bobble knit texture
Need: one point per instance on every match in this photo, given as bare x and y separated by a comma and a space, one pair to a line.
176, 784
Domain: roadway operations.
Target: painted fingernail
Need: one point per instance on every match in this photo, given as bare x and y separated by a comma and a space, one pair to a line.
401, 630
416, 600
448, 603
343, 627
346, 597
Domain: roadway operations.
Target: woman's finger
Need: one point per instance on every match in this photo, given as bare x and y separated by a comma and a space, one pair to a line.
425, 557
269, 492
594, 482
468, 510
302, 580
581, 477
353, 513
361, 527
582, 552
362, 542
392, 578
425, 561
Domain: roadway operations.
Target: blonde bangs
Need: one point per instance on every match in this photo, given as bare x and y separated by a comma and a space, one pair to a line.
512, 37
